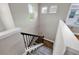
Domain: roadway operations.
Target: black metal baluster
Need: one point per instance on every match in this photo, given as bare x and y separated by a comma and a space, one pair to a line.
31, 41
29, 38
24, 42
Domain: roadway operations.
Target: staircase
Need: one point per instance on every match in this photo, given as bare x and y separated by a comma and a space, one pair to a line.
33, 47
42, 50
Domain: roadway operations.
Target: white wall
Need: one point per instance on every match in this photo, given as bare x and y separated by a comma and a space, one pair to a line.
43, 25
20, 12
70, 41
11, 42
59, 45
5, 16
2, 28
49, 22
65, 41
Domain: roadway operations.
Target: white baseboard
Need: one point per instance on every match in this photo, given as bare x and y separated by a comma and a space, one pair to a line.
49, 40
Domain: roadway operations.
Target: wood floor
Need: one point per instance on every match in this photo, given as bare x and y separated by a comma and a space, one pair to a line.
46, 43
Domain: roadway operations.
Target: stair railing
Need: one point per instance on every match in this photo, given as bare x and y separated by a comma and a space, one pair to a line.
29, 39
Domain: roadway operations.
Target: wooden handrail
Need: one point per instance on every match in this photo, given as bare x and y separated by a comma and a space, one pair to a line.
31, 34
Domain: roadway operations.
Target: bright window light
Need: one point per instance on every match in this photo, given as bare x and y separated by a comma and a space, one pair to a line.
30, 8
53, 9
44, 10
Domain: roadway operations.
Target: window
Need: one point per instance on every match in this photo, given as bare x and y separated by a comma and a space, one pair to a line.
44, 10
51, 9
30, 8
30, 11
